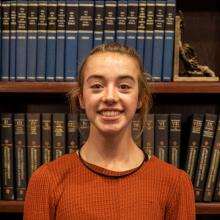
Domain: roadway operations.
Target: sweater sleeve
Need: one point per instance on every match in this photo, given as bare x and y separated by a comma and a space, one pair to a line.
39, 202
182, 203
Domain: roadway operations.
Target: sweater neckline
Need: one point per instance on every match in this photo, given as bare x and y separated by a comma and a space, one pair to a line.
110, 173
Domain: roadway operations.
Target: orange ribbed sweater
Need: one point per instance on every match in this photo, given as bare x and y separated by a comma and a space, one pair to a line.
66, 189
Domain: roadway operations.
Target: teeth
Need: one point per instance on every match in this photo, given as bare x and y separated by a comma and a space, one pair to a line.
110, 113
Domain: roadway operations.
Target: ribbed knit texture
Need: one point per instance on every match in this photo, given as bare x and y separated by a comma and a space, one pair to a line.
65, 189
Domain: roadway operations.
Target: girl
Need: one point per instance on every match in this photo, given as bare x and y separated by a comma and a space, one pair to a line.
110, 177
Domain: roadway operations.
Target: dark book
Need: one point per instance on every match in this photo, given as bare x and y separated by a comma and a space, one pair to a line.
33, 142
83, 128
72, 132
20, 155
204, 155
161, 136
41, 40
213, 166
193, 144
110, 21
60, 40
59, 135
7, 156
71, 44
46, 127
174, 139
148, 135
136, 129
132, 22
217, 188
32, 17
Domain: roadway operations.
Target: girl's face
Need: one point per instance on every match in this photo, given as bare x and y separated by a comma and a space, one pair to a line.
110, 92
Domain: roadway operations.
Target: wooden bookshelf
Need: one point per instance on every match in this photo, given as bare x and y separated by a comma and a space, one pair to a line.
156, 87
201, 208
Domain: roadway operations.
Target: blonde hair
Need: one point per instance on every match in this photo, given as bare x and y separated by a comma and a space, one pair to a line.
144, 92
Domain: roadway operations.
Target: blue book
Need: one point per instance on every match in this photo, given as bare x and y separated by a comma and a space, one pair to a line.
169, 40
71, 40
32, 16
12, 53
121, 21
141, 28
51, 40
5, 41
60, 40
157, 62
21, 43
99, 14
132, 18
85, 39
41, 41
149, 32
110, 21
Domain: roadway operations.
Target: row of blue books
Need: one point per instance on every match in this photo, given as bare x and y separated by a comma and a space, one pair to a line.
47, 40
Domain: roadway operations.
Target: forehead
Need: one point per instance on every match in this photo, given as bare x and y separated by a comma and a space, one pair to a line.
111, 64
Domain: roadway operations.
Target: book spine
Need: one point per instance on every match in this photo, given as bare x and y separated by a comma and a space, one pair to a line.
169, 40
71, 40
158, 40
33, 142
85, 39
99, 14
5, 41
12, 53
193, 144
136, 129
161, 136
141, 28
83, 128
174, 139
21, 43
41, 41
51, 40
132, 22
204, 155
72, 132
32, 17
216, 196
59, 135
20, 155
149, 32
121, 21
110, 21
60, 40
213, 167
148, 135
7, 156
46, 125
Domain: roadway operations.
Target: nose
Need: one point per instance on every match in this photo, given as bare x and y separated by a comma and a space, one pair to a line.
110, 96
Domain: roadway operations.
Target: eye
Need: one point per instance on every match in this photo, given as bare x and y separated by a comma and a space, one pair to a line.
124, 86
96, 87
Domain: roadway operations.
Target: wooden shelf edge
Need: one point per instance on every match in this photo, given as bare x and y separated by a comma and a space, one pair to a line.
156, 87
201, 208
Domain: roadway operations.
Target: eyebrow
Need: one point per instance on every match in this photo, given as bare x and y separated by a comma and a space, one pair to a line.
102, 78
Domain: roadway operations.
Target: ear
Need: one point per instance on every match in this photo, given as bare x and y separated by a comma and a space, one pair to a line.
139, 104
81, 101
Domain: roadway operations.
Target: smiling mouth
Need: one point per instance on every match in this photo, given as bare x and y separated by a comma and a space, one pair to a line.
110, 113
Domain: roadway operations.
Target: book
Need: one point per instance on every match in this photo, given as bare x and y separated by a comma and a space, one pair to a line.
158, 40
193, 144
148, 135
71, 45
59, 135
168, 51
216, 196
20, 155
84, 125
174, 139
33, 142
213, 166
46, 127
204, 155
7, 156
41, 41
72, 132
161, 136
32, 17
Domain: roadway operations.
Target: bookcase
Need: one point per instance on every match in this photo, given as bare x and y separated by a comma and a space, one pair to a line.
202, 31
